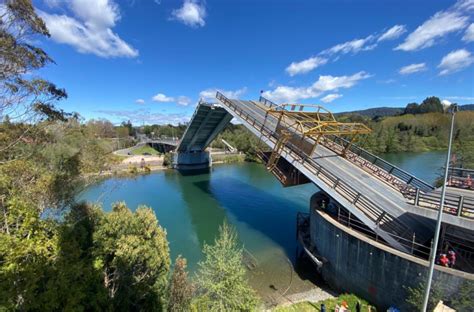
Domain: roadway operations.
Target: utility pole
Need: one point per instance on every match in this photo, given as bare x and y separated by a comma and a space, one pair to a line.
434, 249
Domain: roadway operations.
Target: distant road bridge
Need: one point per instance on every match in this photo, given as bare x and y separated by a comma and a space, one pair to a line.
390, 202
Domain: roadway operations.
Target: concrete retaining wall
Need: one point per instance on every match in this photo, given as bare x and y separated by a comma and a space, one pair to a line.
376, 272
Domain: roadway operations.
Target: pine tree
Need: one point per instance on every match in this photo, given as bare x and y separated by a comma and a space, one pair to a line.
221, 281
180, 289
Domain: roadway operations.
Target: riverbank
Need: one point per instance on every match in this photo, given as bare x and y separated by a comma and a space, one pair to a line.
330, 303
132, 165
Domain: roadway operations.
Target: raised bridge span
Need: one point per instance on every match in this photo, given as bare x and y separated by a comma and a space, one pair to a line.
395, 205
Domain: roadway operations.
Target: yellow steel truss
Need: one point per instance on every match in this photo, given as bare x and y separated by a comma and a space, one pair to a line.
310, 121
314, 123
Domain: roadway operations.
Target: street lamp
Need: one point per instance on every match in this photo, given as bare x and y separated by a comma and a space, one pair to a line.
453, 108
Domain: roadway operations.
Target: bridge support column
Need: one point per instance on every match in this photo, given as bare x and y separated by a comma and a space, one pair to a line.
196, 161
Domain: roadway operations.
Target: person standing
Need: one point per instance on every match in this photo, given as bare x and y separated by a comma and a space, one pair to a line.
452, 258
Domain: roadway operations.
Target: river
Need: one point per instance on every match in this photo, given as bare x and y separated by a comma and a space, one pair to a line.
191, 208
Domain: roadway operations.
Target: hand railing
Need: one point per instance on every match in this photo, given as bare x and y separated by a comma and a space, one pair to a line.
460, 172
267, 102
411, 244
454, 204
393, 170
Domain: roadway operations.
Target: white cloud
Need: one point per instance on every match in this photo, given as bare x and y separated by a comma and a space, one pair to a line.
305, 66
286, 94
446, 103
210, 94
160, 97
192, 13
329, 83
52, 3
464, 5
393, 33
469, 34
412, 68
438, 26
455, 61
146, 116
140, 101
89, 28
331, 97
460, 98
353, 46
183, 100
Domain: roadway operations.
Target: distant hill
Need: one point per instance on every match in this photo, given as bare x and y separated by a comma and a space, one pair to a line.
377, 111
466, 107
393, 111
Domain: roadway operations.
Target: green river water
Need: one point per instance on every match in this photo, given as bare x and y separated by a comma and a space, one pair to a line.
191, 208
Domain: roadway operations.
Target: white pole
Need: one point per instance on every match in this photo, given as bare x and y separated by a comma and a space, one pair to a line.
434, 249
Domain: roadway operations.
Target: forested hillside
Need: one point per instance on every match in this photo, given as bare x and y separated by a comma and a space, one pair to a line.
419, 133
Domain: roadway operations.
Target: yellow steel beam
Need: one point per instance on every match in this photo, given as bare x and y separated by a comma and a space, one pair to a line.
314, 121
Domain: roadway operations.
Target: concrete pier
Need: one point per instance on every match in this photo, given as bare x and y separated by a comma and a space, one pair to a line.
192, 161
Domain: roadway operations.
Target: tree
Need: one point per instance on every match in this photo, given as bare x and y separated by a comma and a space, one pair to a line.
412, 108
415, 296
463, 300
180, 289
132, 253
23, 97
76, 284
431, 104
101, 128
221, 281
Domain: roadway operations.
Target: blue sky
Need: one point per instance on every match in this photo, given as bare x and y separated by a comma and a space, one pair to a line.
150, 61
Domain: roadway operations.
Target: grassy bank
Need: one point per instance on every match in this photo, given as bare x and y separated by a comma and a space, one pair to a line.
144, 149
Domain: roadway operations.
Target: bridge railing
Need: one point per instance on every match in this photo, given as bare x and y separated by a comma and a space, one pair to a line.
461, 178
267, 102
454, 204
391, 169
461, 172
421, 194
344, 189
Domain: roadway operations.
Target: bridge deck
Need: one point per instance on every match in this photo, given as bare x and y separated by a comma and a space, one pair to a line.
207, 122
404, 217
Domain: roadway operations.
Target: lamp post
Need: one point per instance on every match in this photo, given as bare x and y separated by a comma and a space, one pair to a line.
434, 250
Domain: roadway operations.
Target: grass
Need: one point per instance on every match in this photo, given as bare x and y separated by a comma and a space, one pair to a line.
144, 149
329, 303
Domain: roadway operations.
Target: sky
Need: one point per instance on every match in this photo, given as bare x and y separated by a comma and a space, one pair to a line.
151, 61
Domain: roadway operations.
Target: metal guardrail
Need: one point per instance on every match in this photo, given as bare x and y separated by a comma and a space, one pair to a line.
454, 204
360, 201
411, 245
461, 172
399, 173
267, 102
461, 178
421, 194
461, 183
